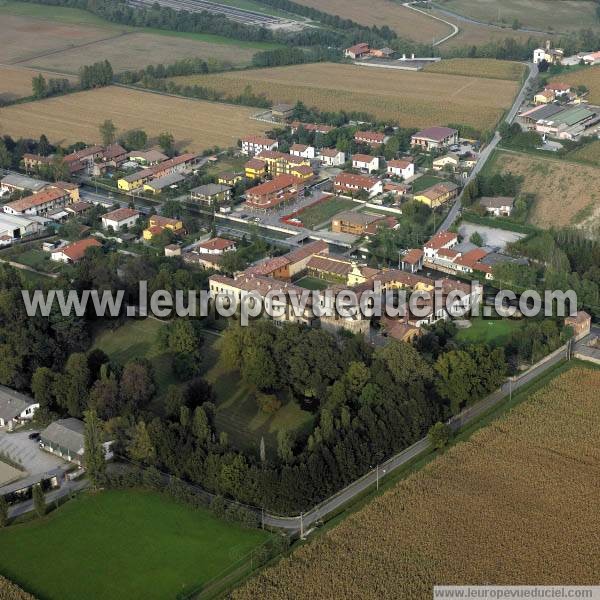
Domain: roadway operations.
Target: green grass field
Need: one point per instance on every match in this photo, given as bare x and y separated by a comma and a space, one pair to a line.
320, 213
424, 182
122, 544
238, 413
138, 339
495, 332
312, 283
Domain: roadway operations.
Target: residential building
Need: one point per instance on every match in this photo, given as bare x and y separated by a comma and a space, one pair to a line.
365, 163
332, 157
113, 156
157, 224
302, 150
157, 185
71, 188
353, 222
119, 218
253, 144
303, 173
255, 169
403, 168
558, 89
74, 252
544, 97
282, 189
282, 112
135, 180
66, 438
280, 163
357, 51
147, 157
172, 250
443, 239
85, 159
38, 204
15, 408
35, 161
499, 206
434, 138
211, 193
371, 138
21, 183
412, 261
580, 322
179, 164
351, 184
216, 245
311, 127
78, 208
438, 194
230, 179
551, 55
447, 162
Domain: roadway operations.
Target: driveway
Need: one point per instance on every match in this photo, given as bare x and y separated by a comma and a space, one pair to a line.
492, 236
26, 452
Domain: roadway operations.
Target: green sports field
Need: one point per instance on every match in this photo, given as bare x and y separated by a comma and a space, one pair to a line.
122, 544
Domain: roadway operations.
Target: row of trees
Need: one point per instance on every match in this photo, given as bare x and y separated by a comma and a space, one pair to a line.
99, 74
43, 88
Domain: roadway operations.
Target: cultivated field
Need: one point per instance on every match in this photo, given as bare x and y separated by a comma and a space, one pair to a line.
545, 15
589, 77
590, 153
137, 50
405, 22
479, 67
566, 193
413, 99
126, 543
196, 125
515, 504
15, 82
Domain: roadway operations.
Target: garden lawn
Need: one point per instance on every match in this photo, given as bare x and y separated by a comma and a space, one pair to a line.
324, 211
312, 283
121, 544
424, 182
495, 332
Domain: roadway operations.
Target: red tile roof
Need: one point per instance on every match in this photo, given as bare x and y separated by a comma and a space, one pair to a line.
120, 214
413, 256
258, 140
364, 158
400, 163
350, 179
370, 136
76, 250
439, 240
43, 197
255, 164
216, 244
278, 184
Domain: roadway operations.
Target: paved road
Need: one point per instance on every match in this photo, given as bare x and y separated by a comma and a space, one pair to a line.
489, 149
304, 522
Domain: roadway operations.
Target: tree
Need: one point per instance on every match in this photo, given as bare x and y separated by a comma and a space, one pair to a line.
263, 452
39, 87
3, 511
71, 387
476, 239
137, 384
94, 454
104, 398
42, 386
167, 143
136, 139
5, 156
140, 447
284, 446
200, 425
39, 500
108, 132
439, 435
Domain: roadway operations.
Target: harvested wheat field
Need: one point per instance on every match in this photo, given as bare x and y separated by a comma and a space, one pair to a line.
518, 503
590, 77
196, 125
565, 193
137, 50
489, 68
15, 82
413, 99
405, 22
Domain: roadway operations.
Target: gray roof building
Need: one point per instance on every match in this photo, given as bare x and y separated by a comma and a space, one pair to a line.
67, 434
165, 181
22, 182
12, 404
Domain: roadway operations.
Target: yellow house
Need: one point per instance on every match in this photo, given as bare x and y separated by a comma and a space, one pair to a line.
135, 180
447, 160
229, 178
302, 172
437, 194
255, 169
157, 224
71, 188
544, 97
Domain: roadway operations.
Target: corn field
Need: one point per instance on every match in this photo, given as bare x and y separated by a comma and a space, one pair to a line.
489, 68
519, 503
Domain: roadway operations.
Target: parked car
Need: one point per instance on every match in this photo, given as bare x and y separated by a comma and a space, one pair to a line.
34, 435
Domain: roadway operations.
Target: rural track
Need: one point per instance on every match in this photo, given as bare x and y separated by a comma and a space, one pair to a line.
455, 29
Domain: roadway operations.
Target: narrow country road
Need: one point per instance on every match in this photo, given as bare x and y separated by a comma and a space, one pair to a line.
453, 27
489, 149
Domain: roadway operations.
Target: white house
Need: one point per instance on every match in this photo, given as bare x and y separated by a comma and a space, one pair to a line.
332, 157
121, 217
365, 162
448, 160
498, 205
403, 168
253, 144
15, 408
216, 245
302, 150
74, 252
350, 184
441, 240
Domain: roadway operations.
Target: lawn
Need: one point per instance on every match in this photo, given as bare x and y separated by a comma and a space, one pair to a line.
495, 332
321, 213
424, 182
35, 258
312, 283
237, 411
121, 544
138, 339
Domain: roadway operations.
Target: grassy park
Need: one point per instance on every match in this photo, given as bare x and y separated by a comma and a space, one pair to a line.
122, 544
495, 332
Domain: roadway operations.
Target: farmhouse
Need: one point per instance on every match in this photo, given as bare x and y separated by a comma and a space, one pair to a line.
552, 56
403, 168
497, 205
349, 183
302, 150
212, 192
15, 408
32, 162
371, 138
448, 161
353, 222
122, 217
558, 89
38, 204
357, 51
21, 183
74, 252
156, 186
580, 322
282, 112
438, 194
443, 239
311, 127
114, 155
65, 438
365, 163
253, 144
282, 189
332, 158
544, 97
157, 224
434, 138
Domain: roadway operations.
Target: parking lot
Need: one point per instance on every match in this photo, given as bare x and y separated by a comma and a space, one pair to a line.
27, 453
